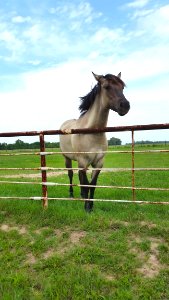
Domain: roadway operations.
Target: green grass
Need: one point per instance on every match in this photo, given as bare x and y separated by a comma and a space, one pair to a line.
120, 251
114, 160
64, 253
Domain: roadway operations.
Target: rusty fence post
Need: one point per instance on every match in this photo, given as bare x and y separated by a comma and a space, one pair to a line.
43, 171
133, 173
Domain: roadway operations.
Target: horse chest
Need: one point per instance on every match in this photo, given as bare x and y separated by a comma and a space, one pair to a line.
89, 142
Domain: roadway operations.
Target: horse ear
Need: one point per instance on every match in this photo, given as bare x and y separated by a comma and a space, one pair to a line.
97, 77
119, 75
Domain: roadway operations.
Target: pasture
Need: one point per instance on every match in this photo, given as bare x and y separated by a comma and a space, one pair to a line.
119, 251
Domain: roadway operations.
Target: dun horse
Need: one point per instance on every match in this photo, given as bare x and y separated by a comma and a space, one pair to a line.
107, 94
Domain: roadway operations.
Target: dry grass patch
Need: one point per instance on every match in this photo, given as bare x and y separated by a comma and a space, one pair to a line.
150, 264
73, 239
35, 175
65, 243
76, 236
7, 228
49, 253
148, 225
30, 259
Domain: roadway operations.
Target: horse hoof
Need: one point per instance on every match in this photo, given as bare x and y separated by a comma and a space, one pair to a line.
88, 207
89, 210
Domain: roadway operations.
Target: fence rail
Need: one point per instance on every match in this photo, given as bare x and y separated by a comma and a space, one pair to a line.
44, 169
87, 130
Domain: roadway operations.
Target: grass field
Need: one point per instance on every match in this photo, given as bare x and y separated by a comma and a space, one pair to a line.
120, 251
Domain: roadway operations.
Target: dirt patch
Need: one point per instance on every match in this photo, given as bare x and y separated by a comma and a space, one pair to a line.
5, 227
58, 232
48, 253
66, 243
76, 236
151, 265
73, 240
8, 228
64, 246
49, 174
30, 259
3, 212
40, 230
148, 224
35, 175
22, 230
114, 225
108, 277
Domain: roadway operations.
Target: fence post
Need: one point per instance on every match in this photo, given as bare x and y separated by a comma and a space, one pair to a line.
133, 174
43, 172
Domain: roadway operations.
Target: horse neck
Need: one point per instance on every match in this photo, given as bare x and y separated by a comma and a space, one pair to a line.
97, 115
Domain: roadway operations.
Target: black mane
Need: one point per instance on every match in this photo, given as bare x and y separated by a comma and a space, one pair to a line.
88, 100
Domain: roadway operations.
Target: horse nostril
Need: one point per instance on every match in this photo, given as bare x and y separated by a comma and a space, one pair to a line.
124, 104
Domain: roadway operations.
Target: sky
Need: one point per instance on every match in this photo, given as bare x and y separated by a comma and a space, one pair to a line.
49, 48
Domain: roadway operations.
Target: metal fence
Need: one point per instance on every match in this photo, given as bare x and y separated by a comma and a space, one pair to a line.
43, 168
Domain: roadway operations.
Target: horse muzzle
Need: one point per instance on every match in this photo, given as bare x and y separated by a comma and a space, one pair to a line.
124, 107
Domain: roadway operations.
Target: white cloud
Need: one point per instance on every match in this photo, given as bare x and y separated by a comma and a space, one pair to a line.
82, 12
20, 19
138, 3
36, 38
50, 97
43, 41
34, 62
156, 22
12, 44
107, 34
142, 13
34, 33
152, 22
145, 64
47, 98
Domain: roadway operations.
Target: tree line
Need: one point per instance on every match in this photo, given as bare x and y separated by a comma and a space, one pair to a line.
19, 144
149, 142
36, 145
22, 145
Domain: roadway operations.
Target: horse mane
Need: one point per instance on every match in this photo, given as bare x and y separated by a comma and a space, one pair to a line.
88, 100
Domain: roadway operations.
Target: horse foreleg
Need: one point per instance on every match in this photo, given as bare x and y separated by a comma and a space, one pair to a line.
84, 190
68, 164
93, 182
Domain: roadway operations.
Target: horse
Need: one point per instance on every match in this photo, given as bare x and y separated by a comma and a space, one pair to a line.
94, 108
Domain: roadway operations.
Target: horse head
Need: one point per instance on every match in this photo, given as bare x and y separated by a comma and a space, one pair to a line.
111, 88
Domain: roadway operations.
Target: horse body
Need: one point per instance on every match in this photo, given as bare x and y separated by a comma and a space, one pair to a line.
95, 106
94, 118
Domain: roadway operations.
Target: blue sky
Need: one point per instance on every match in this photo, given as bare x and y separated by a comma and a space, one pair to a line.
49, 48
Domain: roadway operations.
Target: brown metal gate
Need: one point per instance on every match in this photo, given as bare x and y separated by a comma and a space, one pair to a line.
44, 168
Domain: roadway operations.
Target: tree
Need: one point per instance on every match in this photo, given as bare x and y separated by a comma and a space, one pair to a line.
114, 141
19, 144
